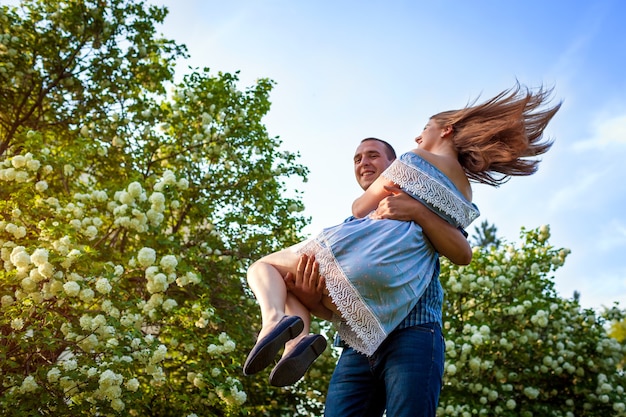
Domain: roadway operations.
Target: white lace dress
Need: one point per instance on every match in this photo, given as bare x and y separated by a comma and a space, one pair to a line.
376, 270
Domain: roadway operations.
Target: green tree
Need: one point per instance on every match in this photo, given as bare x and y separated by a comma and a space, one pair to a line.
515, 348
128, 216
486, 235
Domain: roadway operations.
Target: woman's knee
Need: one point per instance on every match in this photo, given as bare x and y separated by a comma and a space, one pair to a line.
255, 270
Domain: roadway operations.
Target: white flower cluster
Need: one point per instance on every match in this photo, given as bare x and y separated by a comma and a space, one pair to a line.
188, 278
146, 257
205, 316
159, 278
16, 231
158, 282
28, 385
227, 345
36, 274
110, 388
110, 383
128, 207
75, 214
22, 168
540, 318
231, 393
169, 180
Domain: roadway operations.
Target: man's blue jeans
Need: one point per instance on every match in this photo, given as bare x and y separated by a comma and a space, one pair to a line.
404, 376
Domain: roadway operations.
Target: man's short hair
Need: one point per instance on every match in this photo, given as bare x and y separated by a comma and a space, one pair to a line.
391, 153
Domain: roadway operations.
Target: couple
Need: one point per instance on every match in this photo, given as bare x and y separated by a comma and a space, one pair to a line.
380, 275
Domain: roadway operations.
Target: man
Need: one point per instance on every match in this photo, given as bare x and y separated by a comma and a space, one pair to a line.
404, 375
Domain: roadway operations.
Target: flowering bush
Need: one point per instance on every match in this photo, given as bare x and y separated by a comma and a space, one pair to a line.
515, 348
128, 216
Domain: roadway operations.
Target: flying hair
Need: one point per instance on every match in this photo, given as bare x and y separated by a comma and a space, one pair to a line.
494, 139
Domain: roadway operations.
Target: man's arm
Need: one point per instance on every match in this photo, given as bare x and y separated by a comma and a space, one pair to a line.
447, 239
308, 286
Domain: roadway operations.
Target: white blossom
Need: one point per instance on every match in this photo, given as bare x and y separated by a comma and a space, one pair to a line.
511, 404
87, 295
53, 375
132, 384
17, 323
531, 392
117, 404
18, 161
19, 257
183, 184
135, 189
41, 186
21, 176
159, 354
71, 288
146, 257
6, 300
168, 263
69, 364
28, 385
103, 286
169, 304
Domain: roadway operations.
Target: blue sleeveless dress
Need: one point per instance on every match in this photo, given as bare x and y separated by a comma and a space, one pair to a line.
376, 270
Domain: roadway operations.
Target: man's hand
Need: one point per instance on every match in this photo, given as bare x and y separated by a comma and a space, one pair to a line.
307, 285
398, 206
447, 239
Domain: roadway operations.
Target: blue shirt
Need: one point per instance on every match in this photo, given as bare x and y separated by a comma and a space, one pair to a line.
429, 307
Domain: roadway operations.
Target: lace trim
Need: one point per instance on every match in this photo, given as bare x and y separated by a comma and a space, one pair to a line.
421, 184
359, 327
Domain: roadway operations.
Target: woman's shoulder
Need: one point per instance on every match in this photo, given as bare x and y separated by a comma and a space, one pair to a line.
435, 182
450, 167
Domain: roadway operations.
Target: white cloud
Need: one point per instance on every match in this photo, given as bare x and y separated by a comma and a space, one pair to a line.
576, 192
607, 132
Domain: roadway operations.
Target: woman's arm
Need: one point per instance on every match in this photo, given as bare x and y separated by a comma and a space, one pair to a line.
370, 199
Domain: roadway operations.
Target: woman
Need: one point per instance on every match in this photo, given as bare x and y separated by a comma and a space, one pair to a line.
376, 270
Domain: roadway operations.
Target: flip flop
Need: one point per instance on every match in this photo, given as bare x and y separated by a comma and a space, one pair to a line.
292, 367
264, 351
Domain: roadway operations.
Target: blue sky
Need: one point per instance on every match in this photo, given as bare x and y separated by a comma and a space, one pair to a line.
346, 70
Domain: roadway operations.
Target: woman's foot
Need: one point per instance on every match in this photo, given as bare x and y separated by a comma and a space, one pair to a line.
294, 363
268, 345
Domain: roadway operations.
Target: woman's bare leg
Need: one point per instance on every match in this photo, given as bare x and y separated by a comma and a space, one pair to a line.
265, 278
294, 307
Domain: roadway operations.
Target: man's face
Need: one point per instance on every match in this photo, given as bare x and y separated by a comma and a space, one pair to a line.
370, 160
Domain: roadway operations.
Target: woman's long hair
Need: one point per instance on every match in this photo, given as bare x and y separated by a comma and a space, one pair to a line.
493, 139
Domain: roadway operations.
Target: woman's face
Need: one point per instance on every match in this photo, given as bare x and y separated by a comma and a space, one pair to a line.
430, 135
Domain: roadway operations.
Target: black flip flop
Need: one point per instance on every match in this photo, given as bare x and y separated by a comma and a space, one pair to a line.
292, 367
263, 353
